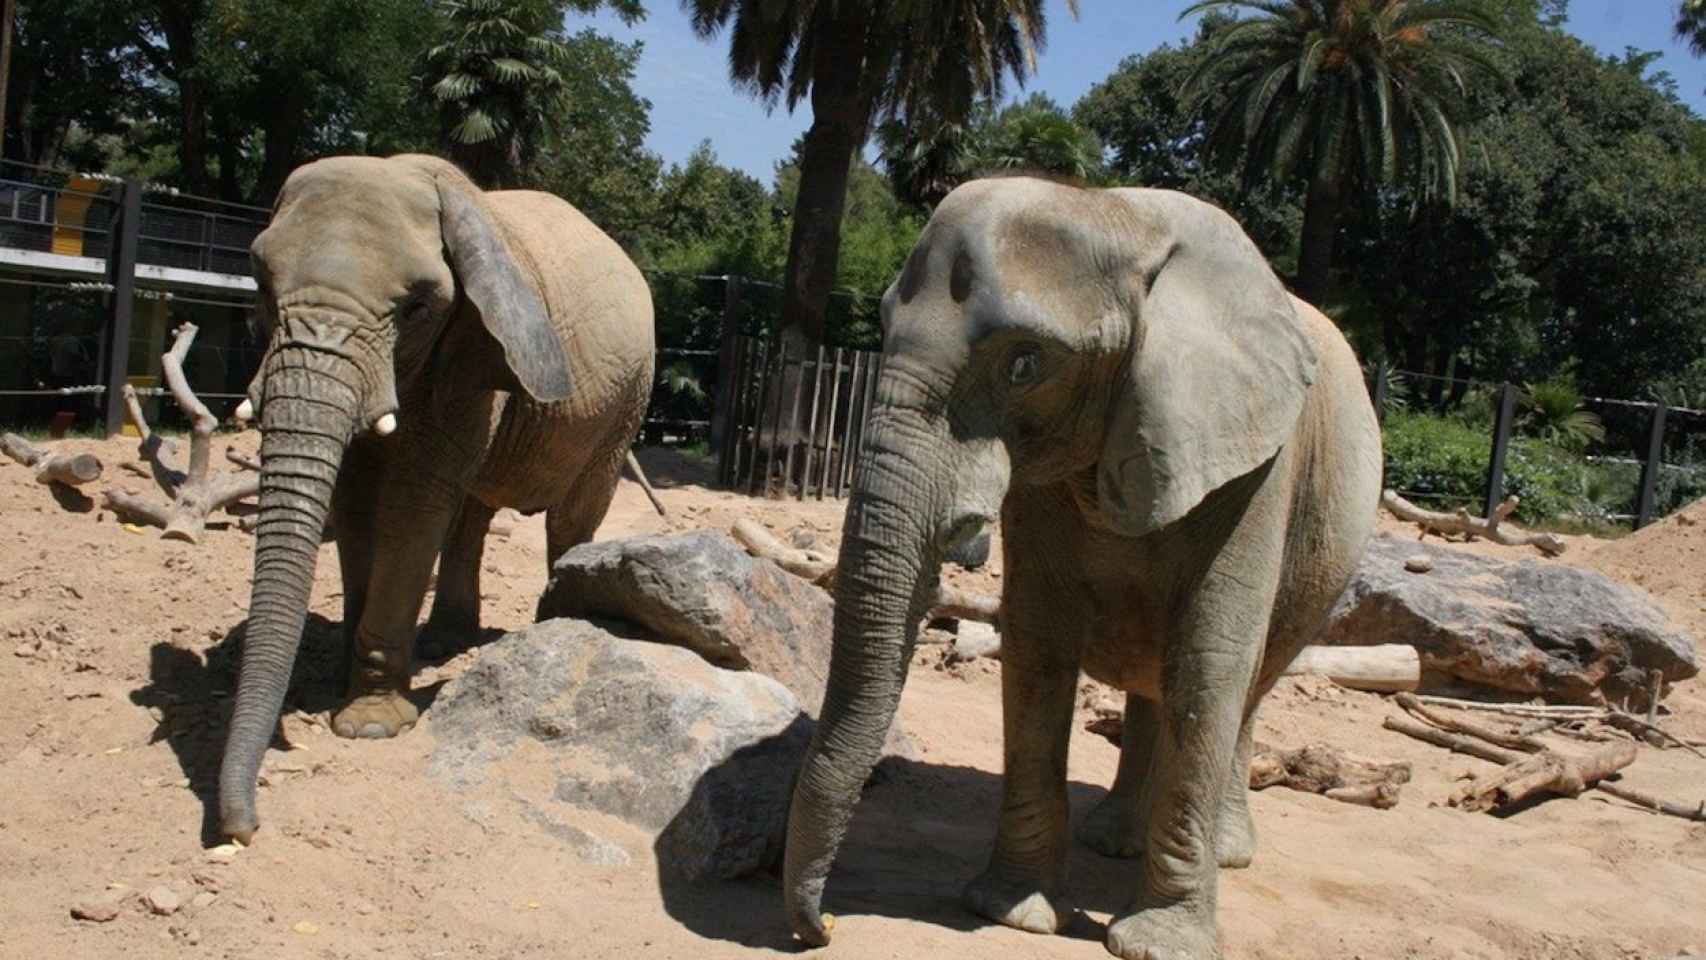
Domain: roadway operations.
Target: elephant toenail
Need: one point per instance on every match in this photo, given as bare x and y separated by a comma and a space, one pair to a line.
374, 731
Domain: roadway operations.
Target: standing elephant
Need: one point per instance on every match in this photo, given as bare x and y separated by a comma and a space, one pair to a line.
436, 353
1185, 465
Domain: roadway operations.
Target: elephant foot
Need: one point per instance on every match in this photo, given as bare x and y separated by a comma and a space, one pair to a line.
1113, 827
375, 716
1235, 847
1014, 903
1179, 931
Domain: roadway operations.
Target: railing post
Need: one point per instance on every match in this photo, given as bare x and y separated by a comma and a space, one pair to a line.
1381, 387
1650, 468
1501, 443
728, 358
121, 273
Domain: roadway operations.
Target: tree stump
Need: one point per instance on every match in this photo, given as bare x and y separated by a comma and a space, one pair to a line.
70, 469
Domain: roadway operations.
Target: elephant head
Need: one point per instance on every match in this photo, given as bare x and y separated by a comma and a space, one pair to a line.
370, 272
1132, 345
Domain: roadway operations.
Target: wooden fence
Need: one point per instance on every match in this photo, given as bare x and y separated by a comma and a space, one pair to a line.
797, 420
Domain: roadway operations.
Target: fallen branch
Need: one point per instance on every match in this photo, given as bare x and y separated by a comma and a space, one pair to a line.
949, 601
1462, 523
69, 469
1456, 743
1318, 768
194, 494
1545, 772
1525, 743
1382, 668
1528, 710
646, 485
1509, 759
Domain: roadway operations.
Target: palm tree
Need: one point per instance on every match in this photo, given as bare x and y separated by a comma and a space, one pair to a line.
497, 80
1691, 25
1352, 94
858, 63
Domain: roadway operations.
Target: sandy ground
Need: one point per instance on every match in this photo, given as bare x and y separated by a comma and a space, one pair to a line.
116, 651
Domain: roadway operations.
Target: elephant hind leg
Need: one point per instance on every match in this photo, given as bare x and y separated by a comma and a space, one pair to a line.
454, 623
575, 519
1116, 826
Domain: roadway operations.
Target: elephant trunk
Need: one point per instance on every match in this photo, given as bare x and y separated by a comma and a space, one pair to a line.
886, 574
307, 421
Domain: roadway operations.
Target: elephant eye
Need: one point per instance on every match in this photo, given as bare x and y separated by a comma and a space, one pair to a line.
1023, 368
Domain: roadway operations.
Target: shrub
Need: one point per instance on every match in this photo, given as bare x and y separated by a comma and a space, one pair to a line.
1443, 462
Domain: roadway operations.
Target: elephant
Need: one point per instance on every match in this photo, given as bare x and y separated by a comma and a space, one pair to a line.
1185, 464
435, 353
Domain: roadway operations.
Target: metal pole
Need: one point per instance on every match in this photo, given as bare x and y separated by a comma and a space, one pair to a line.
1501, 444
1650, 468
121, 273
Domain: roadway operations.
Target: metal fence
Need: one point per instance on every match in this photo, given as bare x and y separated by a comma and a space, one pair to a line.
1639, 453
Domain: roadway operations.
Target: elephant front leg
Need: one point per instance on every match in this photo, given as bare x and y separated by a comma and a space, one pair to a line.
1204, 692
383, 650
1039, 676
454, 624
1116, 826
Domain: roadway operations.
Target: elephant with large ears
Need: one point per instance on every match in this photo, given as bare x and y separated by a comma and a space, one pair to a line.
1185, 464
435, 353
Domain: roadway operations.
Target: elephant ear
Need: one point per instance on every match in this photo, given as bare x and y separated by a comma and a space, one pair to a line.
508, 304
1215, 382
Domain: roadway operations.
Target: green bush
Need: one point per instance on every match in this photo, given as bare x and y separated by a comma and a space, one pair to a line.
1442, 461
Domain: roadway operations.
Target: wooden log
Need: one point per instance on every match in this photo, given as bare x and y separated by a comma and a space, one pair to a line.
1451, 741
1545, 772
1382, 668
1319, 768
819, 569
69, 469
1462, 523
1456, 724
639, 475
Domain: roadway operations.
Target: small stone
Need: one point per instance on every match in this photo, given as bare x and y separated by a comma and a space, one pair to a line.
364, 908
100, 908
305, 927
162, 901
1418, 563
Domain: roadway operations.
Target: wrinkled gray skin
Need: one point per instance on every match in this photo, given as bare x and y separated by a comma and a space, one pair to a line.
1185, 465
510, 339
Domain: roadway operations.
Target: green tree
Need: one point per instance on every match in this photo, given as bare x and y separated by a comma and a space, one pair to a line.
858, 63
1154, 138
925, 162
67, 76
497, 79
1691, 25
595, 156
1349, 94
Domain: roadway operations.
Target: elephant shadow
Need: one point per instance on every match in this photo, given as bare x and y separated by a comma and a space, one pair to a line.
920, 832
193, 691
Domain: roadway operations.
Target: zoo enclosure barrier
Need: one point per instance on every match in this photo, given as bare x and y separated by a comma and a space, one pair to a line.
1647, 420
95, 271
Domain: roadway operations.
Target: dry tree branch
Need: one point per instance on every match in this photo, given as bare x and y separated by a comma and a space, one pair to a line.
69, 469
1462, 523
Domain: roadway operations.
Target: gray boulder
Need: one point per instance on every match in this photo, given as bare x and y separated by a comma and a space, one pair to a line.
1528, 627
699, 757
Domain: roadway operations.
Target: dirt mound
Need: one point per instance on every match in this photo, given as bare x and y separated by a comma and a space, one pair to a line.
1667, 559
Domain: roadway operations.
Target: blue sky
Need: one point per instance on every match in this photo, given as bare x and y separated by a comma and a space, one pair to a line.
686, 79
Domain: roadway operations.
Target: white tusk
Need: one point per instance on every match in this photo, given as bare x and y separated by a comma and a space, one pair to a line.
245, 412
385, 425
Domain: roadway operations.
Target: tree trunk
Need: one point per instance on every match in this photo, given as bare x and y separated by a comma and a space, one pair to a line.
1320, 230
841, 118
8, 9
283, 140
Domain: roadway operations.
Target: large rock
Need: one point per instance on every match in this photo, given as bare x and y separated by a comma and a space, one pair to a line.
1529, 626
703, 591
700, 757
